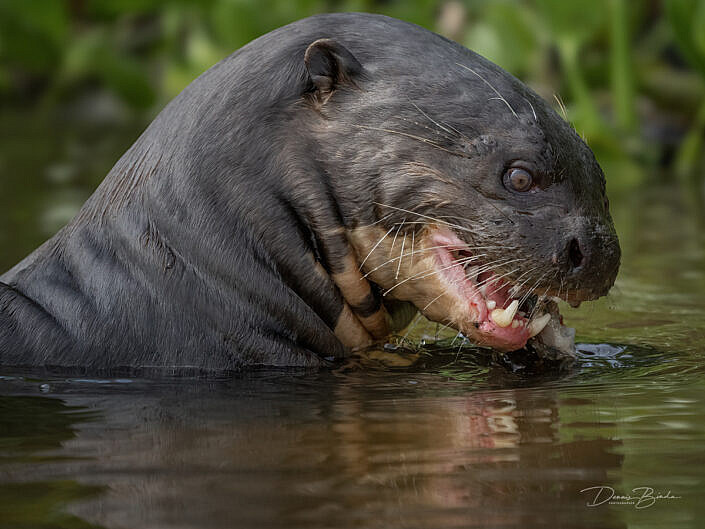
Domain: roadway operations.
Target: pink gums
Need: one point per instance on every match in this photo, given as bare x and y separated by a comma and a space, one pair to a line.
488, 332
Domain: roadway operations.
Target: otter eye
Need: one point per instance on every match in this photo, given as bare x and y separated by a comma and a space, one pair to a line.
518, 179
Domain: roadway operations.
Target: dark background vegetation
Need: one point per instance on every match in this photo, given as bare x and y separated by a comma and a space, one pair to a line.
79, 80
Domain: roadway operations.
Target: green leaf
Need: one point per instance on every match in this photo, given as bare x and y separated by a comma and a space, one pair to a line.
33, 33
687, 20
125, 76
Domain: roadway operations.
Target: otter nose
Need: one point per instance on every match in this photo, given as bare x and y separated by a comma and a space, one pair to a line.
572, 257
576, 257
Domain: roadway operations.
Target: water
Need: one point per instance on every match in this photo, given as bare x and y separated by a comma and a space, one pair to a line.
449, 441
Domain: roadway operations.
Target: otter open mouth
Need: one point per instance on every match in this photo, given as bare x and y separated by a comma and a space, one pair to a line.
505, 316
461, 286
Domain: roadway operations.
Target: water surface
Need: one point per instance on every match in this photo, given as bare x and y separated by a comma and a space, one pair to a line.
450, 441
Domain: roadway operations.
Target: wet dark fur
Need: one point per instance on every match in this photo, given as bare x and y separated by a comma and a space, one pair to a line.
198, 248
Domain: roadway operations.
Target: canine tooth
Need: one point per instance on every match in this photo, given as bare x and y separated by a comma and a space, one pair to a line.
515, 324
504, 317
537, 325
491, 304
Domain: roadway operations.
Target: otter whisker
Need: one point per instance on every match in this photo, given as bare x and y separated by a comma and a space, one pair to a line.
463, 136
561, 287
519, 286
396, 235
459, 348
543, 296
429, 117
401, 254
414, 252
416, 222
411, 326
445, 291
439, 296
450, 224
375, 247
443, 125
442, 328
469, 221
533, 289
539, 302
466, 261
495, 278
526, 295
422, 250
549, 284
439, 133
489, 267
413, 137
532, 110
435, 219
499, 96
413, 236
420, 276
490, 203
463, 245
561, 106
577, 289
382, 219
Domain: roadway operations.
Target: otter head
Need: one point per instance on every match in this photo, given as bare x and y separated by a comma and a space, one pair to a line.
462, 191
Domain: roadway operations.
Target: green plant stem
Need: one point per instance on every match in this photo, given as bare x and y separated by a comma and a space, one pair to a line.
691, 149
586, 119
622, 77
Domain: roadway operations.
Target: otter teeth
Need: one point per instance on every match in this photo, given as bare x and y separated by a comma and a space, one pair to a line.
537, 325
491, 304
504, 317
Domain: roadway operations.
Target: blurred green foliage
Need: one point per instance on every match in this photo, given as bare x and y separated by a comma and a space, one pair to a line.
631, 74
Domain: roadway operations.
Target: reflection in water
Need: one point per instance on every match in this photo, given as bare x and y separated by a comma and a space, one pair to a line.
355, 448
318, 452
31, 427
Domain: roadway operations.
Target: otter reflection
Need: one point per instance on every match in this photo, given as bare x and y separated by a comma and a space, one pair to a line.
489, 457
289, 452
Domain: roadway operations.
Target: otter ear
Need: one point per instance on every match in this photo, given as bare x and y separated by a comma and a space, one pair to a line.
329, 66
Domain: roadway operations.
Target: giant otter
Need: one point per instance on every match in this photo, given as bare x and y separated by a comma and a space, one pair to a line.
272, 209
